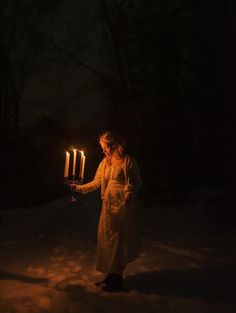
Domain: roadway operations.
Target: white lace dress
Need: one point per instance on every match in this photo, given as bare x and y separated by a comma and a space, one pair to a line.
117, 240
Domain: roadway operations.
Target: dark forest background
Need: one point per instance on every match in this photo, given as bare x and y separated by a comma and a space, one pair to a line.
159, 72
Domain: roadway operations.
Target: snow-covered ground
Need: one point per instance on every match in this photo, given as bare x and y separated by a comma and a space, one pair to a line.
48, 256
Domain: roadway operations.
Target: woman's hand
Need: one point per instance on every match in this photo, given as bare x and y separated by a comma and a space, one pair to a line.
75, 187
126, 200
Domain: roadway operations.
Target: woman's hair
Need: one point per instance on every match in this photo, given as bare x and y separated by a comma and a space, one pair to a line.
114, 141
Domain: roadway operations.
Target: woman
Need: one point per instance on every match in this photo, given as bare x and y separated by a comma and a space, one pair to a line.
119, 178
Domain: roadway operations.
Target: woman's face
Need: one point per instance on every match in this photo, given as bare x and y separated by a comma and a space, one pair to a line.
107, 149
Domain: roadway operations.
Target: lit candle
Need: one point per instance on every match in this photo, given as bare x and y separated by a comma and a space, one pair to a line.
67, 162
82, 164
74, 162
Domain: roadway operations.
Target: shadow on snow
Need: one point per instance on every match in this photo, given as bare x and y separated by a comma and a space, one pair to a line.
212, 285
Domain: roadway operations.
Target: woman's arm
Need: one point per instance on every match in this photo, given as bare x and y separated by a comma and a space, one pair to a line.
133, 180
92, 185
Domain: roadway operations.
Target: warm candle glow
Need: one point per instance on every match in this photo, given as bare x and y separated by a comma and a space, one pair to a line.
67, 164
82, 165
74, 162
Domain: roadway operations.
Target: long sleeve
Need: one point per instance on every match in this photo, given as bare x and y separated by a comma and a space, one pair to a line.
133, 179
94, 184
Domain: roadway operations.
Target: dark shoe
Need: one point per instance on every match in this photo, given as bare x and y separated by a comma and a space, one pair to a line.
112, 289
114, 283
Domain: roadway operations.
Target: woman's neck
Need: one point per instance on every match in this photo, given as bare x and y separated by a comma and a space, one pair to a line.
116, 160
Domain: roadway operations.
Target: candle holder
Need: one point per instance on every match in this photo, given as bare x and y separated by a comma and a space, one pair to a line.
68, 181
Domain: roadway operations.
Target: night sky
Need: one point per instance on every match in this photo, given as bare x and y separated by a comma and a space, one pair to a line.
160, 73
